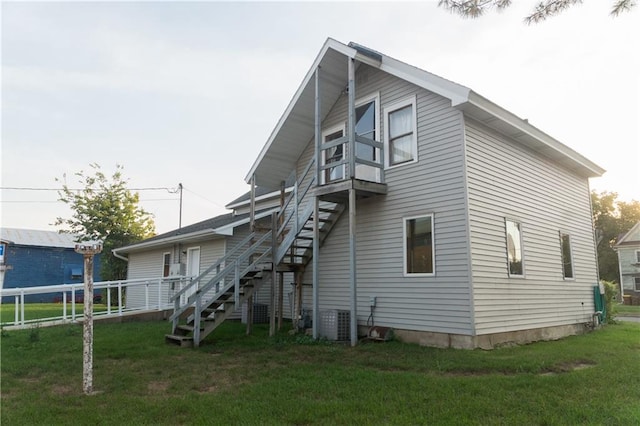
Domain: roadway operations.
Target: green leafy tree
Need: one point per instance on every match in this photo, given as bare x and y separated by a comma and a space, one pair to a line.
104, 209
543, 10
611, 219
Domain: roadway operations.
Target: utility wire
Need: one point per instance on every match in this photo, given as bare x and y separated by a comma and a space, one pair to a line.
17, 188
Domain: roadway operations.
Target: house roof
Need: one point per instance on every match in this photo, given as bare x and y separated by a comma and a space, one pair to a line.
36, 238
216, 227
631, 238
295, 129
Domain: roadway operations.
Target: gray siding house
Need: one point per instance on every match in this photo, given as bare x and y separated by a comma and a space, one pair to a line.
411, 202
628, 249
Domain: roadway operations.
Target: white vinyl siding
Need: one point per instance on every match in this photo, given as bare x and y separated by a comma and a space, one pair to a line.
435, 184
507, 180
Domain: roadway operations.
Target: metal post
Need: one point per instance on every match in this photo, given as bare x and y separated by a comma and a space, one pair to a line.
318, 127
352, 121
88, 251
352, 266
316, 254
109, 299
73, 303
16, 312
274, 273
119, 297
64, 305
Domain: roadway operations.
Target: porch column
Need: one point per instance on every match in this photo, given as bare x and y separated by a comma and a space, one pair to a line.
352, 267
351, 131
316, 254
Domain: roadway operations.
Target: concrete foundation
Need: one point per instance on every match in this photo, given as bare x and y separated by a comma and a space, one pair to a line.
489, 341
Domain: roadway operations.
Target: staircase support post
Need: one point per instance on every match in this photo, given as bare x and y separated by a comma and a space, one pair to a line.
351, 131
274, 274
316, 254
196, 322
280, 299
352, 267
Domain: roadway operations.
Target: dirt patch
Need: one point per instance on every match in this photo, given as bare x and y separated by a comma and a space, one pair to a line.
62, 390
566, 367
158, 387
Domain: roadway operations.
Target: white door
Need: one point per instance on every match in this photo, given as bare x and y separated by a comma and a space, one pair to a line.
193, 267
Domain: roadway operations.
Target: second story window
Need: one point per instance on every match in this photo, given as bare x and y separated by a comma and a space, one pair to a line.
401, 140
166, 264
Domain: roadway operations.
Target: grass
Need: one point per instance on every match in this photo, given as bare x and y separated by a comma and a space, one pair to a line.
239, 379
35, 311
628, 310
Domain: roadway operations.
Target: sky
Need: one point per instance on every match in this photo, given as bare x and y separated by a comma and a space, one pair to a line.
189, 92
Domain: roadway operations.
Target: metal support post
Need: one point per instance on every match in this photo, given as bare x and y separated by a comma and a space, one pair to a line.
352, 267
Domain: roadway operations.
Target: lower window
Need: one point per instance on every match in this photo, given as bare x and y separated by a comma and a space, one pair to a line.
419, 249
637, 283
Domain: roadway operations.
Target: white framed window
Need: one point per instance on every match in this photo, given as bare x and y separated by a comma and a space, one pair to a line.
637, 284
333, 155
419, 248
166, 264
515, 261
401, 138
567, 256
637, 256
367, 126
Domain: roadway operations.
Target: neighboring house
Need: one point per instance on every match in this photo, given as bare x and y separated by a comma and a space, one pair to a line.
190, 250
464, 226
628, 248
39, 258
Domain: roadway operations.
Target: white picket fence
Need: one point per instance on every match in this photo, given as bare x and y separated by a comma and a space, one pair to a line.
156, 295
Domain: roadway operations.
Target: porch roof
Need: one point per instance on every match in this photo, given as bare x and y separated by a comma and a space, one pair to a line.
295, 129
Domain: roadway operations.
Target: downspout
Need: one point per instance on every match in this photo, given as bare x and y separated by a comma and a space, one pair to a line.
119, 256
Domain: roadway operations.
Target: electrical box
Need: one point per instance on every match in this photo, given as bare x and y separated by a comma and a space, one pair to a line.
177, 269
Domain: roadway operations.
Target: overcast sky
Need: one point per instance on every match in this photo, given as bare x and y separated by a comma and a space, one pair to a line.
189, 92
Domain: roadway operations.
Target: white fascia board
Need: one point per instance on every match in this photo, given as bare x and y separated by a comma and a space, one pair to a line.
455, 92
273, 194
329, 44
228, 229
515, 122
164, 241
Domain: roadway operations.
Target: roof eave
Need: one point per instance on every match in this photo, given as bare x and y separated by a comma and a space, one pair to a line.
164, 241
521, 130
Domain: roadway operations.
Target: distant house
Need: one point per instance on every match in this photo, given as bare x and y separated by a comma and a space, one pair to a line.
38, 258
416, 204
628, 249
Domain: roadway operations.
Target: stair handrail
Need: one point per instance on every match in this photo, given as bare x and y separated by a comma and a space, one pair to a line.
220, 261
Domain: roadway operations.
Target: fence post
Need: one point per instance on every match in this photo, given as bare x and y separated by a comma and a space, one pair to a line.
73, 302
64, 305
159, 294
17, 311
21, 307
108, 298
146, 295
119, 297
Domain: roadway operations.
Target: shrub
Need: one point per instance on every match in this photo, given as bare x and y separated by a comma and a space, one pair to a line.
610, 300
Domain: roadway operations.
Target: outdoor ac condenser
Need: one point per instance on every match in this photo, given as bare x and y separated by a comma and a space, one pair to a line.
335, 325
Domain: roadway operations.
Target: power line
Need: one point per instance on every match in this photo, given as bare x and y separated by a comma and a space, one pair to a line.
24, 188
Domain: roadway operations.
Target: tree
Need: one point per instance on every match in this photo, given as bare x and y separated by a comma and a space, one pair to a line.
543, 10
611, 219
104, 209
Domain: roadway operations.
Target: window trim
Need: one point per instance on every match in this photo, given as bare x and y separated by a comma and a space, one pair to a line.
326, 132
506, 235
433, 246
168, 272
573, 269
388, 110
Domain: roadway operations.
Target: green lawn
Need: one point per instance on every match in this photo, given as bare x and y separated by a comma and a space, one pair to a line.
238, 379
42, 310
628, 310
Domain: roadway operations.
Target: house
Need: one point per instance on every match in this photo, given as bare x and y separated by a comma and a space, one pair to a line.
38, 258
190, 252
628, 249
414, 204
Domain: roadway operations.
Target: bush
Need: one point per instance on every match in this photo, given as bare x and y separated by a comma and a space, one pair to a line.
610, 300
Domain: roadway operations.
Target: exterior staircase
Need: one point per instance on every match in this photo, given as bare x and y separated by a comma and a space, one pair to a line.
210, 298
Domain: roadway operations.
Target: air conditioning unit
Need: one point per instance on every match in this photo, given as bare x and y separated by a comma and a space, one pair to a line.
260, 313
335, 325
177, 269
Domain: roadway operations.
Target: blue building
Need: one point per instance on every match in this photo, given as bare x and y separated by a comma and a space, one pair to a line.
38, 258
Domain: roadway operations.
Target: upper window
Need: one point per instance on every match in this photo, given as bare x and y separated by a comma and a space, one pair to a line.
166, 264
514, 248
366, 127
401, 143
637, 256
567, 261
419, 248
